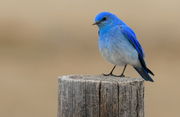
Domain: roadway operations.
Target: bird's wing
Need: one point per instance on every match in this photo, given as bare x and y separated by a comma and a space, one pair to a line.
131, 36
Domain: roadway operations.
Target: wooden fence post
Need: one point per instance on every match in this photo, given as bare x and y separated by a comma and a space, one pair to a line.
100, 96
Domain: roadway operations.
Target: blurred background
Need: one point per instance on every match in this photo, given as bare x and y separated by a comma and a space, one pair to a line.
43, 39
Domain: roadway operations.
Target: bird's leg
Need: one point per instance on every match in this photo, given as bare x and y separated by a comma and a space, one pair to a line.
122, 74
111, 73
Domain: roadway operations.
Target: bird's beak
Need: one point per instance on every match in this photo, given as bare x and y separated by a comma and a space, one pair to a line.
96, 23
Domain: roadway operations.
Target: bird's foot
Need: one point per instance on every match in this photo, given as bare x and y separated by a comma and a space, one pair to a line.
107, 74
110, 74
122, 75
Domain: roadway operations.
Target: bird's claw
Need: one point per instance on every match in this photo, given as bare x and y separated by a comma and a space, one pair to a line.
107, 74
122, 75
110, 74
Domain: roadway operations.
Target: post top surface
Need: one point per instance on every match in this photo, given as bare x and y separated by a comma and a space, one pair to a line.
98, 78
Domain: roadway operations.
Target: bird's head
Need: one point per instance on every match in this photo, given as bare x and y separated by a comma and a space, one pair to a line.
106, 19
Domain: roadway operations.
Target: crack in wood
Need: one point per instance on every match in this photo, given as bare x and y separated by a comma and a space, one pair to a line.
98, 96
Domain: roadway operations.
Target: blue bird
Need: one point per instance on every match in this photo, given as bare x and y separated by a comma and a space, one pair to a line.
118, 44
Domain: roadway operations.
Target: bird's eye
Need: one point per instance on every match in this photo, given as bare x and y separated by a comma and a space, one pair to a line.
104, 19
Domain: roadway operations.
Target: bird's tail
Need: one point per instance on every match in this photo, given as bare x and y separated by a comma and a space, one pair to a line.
144, 73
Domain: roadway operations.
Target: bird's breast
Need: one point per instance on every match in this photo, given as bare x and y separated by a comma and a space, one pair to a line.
117, 50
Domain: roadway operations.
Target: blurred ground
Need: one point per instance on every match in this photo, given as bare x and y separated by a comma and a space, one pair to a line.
41, 40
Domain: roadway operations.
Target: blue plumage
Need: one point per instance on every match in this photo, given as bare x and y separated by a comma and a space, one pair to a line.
131, 36
118, 44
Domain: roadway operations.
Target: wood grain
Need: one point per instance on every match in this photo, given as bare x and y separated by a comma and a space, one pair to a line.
100, 96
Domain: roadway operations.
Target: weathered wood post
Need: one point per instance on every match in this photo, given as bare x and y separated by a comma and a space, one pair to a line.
100, 96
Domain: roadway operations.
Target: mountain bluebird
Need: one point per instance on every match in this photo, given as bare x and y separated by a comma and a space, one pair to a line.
118, 44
